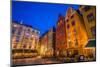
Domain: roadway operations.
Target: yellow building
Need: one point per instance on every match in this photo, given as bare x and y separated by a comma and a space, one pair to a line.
43, 43
51, 42
47, 42
30, 39
75, 30
89, 16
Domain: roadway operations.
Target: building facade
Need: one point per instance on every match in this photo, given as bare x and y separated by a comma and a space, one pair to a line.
76, 32
17, 35
51, 43
25, 39
89, 16
61, 38
43, 43
47, 42
71, 35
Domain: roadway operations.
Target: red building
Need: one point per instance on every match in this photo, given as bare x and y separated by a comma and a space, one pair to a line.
61, 42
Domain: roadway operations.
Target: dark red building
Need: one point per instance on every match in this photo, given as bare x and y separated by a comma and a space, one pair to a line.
61, 39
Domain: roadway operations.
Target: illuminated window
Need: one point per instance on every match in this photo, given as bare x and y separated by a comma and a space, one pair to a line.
15, 25
14, 28
27, 35
19, 32
15, 46
17, 38
30, 46
90, 17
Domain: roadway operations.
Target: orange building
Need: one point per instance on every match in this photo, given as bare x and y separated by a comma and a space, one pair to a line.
75, 31
71, 35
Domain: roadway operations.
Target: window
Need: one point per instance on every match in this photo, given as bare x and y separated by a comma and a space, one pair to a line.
93, 30
72, 16
28, 30
31, 38
20, 28
90, 17
17, 38
14, 28
14, 25
24, 46
15, 46
51, 37
27, 35
73, 23
19, 32
86, 8
33, 31
37, 32
13, 31
68, 26
67, 20
30, 46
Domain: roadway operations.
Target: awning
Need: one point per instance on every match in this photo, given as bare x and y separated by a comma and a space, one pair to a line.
23, 51
91, 43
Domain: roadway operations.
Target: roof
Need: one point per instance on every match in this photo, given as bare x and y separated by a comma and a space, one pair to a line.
79, 12
25, 25
53, 29
22, 24
91, 43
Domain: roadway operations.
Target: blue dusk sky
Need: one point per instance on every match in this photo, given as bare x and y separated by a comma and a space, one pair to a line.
41, 16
